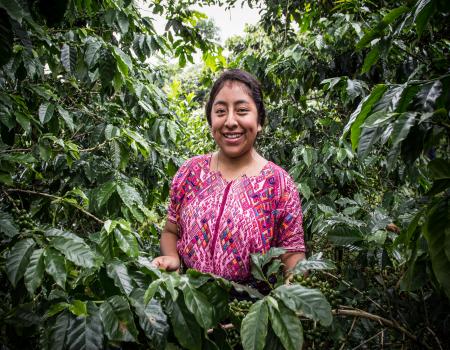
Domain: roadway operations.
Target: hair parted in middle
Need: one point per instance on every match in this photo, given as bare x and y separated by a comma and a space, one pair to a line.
252, 84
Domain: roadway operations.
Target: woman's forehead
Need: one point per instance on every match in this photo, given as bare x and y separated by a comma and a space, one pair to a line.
237, 86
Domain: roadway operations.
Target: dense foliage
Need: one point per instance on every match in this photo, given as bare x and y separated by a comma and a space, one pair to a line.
94, 123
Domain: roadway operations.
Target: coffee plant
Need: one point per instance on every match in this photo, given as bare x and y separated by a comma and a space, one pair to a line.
98, 111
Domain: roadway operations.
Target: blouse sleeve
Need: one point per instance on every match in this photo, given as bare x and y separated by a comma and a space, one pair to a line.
177, 192
290, 220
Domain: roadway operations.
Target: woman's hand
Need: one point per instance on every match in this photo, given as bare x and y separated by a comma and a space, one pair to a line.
167, 262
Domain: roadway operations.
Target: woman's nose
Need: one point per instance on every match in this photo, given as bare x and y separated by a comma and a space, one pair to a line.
231, 121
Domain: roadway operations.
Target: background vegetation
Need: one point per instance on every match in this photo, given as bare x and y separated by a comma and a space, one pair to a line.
94, 122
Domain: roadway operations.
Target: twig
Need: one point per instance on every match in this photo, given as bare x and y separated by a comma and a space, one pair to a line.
435, 337
354, 288
348, 333
368, 340
84, 211
16, 150
384, 321
95, 147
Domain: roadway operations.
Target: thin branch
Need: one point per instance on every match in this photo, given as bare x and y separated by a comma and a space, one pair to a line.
95, 147
384, 321
354, 288
368, 340
435, 337
84, 211
349, 332
16, 150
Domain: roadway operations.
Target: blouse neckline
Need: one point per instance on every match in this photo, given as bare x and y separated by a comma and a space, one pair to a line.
244, 176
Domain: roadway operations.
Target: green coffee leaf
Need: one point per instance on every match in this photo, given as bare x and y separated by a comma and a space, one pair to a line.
184, 326
126, 242
18, 259
118, 320
198, 305
287, 326
35, 271
55, 266
254, 326
310, 302
86, 332
119, 273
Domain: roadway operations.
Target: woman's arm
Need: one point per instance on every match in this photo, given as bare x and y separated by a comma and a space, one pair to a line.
169, 260
291, 259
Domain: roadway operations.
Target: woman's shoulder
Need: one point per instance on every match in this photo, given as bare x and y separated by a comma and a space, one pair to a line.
193, 165
279, 172
201, 160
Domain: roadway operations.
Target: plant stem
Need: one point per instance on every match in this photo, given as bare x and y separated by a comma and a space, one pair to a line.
84, 211
389, 323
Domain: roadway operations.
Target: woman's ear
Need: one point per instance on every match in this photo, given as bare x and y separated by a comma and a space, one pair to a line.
259, 128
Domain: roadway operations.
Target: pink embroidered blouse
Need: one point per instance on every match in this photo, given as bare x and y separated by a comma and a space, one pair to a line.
220, 223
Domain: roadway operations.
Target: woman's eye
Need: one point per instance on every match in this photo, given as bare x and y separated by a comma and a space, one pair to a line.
220, 111
242, 110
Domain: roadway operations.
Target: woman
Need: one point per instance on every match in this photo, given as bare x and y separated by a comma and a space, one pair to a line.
229, 204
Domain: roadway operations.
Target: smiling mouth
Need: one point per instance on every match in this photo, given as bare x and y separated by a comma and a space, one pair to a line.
232, 136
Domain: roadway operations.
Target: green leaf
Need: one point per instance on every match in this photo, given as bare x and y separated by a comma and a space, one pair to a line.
315, 262
104, 192
55, 266
377, 31
6, 42
184, 326
439, 169
119, 273
91, 53
73, 247
68, 57
287, 326
86, 333
111, 131
400, 131
35, 271
24, 120
46, 112
118, 320
122, 20
124, 62
360, 114
344, 235
310, 302
7, 225
126, 242
254, 326
152, 319
78, 308
58, 331
151, 290
371, 58
18, 259
67, 118
14, 9
428, 95
198, 305
424, 10
437, 233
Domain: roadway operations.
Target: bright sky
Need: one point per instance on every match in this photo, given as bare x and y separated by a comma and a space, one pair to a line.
230, 22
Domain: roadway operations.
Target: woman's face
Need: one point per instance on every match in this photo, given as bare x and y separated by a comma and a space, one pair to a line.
234, 120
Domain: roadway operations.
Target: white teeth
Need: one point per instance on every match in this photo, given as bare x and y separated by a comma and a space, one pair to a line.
232, 136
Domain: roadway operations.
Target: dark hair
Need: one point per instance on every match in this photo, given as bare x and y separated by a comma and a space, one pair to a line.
254, 90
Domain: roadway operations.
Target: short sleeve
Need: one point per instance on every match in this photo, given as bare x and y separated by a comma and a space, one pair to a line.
177, 193
290, 219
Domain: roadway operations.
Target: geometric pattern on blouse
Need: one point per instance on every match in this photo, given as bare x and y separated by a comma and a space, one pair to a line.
220, 223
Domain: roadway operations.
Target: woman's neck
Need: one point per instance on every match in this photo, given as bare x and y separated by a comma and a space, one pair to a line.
230, 168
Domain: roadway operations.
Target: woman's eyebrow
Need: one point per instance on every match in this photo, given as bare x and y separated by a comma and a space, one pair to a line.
220, 102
